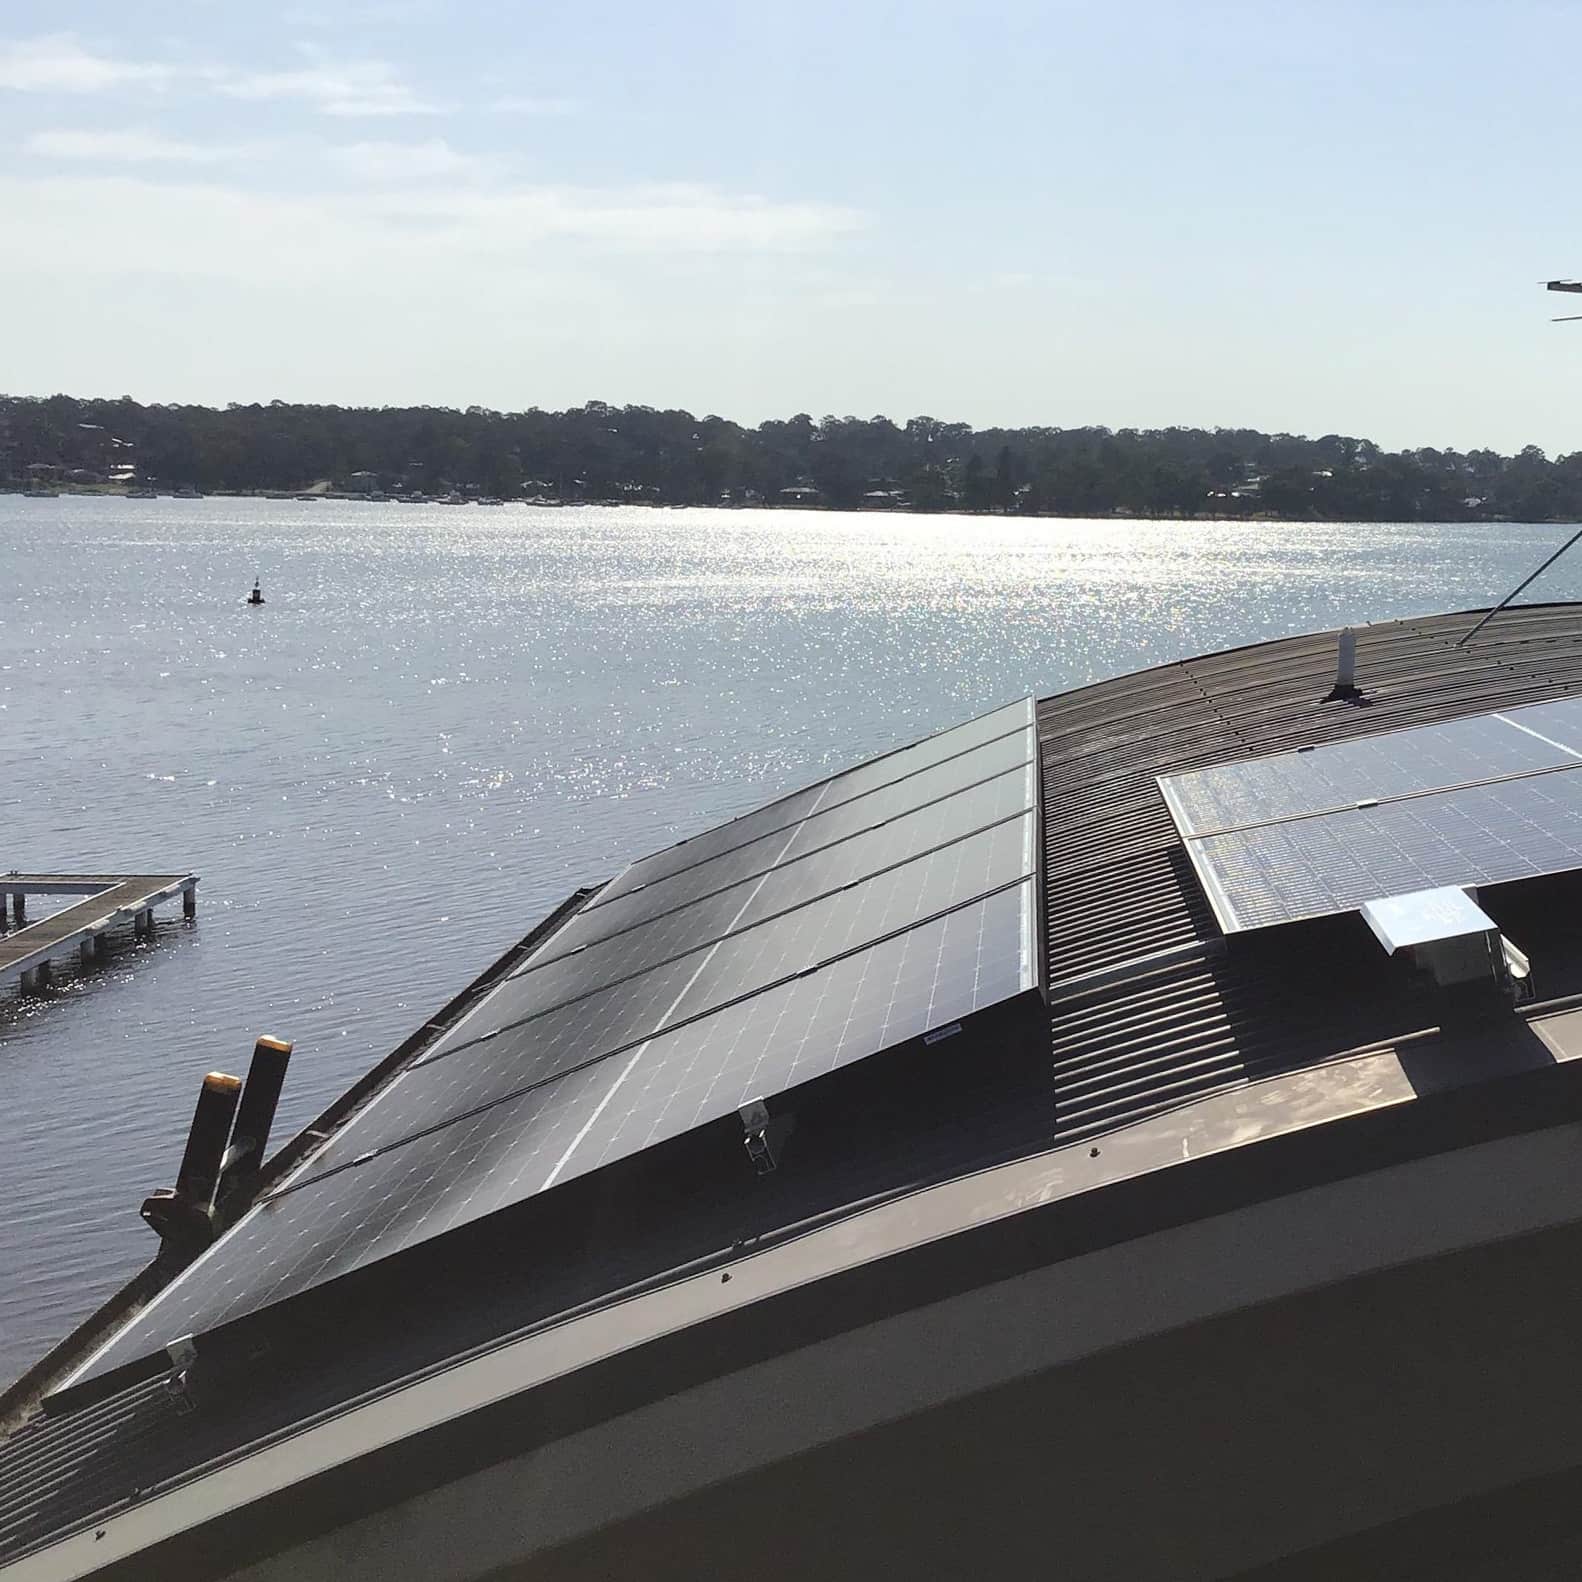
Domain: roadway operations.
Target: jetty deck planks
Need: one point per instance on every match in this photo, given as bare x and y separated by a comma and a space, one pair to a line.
29, 950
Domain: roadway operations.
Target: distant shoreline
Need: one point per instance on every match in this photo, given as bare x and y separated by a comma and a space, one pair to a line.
635, 455
112, 492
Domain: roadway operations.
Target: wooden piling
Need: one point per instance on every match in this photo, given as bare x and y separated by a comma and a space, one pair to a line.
211, 1128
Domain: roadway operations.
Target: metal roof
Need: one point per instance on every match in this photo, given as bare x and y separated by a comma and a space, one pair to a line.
1131, 1036
1151, 1008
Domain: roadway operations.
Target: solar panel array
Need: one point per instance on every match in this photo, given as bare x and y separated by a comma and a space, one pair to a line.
1304, 834
826, 927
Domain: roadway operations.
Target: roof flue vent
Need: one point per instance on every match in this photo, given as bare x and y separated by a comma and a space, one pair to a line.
1345, 689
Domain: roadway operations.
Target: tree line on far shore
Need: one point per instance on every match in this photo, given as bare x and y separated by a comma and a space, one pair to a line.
599, 452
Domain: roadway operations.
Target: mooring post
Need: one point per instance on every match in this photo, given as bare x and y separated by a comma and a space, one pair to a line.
19, 907
101, 944
211, 1127
189, 901
86, 951
145, 921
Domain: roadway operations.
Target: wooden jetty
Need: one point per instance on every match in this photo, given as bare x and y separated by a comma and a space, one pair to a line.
29, 951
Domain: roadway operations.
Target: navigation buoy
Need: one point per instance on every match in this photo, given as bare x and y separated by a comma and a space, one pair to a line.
257, 595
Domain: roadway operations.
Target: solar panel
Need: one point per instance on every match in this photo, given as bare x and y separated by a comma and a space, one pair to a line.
792, 883
996, 776
940, 972
840, 921
1474, 801
1011, 721
1397, 763
463, 1073
1279, 873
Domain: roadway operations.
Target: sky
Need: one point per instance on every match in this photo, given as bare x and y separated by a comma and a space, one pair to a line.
1286, 215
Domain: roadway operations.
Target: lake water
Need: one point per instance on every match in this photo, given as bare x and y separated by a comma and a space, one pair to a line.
445, 719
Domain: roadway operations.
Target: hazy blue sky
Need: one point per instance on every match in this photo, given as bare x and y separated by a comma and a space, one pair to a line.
1288, 214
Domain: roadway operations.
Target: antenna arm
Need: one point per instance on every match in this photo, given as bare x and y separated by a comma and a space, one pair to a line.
1518, 588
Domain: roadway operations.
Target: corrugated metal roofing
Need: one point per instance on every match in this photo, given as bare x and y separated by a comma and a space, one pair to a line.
1118, 886
1150, 1008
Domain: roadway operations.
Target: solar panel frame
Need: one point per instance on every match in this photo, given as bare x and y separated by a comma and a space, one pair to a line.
818, 833
783, 888
832, 792
453, 1083
305, 1234
1285, 872
831, 928
1333, 776
1482, 799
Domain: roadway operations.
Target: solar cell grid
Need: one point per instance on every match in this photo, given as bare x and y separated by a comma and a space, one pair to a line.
996, 776
937, 972
1279, 873
839, 921
791, 883
931, 750
1398, 763
458, 1077
839, 789
1560, 719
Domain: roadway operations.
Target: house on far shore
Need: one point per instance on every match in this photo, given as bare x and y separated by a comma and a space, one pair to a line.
800, 494
884, 499
362, 483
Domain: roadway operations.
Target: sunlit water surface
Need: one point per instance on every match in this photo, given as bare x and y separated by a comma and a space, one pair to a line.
445, 719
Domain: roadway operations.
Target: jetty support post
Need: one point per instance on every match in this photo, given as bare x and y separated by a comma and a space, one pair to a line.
189, 900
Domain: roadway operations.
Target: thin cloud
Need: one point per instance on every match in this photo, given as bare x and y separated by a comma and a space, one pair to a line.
351, 88
58, 63
131, 146
61, 63
518, 104
374, 13
399, 163
671, 219
450, 233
